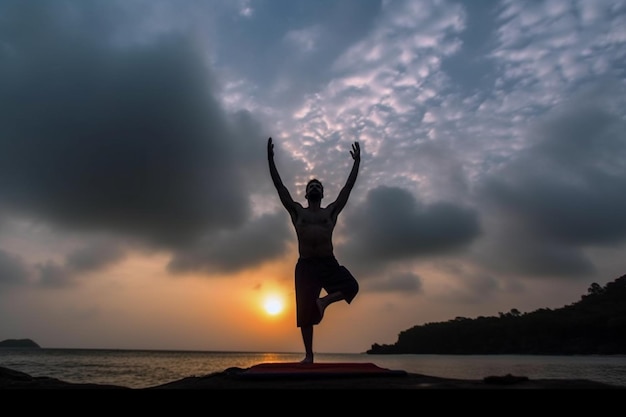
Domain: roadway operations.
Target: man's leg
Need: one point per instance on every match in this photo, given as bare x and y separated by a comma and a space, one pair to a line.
307, 338
339, 285
327, 300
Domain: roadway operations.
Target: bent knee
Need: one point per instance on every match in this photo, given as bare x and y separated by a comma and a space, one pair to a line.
351, 291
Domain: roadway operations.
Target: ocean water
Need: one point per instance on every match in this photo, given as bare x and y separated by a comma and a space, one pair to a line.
148, 368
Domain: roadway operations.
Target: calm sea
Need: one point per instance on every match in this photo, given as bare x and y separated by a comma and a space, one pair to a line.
147, 368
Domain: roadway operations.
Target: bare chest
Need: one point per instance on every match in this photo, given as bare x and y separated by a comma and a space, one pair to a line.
317, 219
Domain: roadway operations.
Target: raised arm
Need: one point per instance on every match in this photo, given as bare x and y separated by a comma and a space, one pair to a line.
283, 193
342, 198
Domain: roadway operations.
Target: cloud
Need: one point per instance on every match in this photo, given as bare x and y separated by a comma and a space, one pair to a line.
13, 269
92, 255
406, 283
264, 238
97, 135
472, 288
547, 48
563, 193
392, 225
53, 275
95, 256
288, 47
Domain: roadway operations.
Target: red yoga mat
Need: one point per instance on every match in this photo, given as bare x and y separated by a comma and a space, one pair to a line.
338, 369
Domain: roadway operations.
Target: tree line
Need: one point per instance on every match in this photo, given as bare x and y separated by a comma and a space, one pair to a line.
596, 324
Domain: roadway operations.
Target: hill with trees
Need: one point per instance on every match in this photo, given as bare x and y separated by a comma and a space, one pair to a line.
596, 324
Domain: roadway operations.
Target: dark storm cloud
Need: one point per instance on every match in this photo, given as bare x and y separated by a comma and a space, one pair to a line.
53, 275
398, 282
262, 239
95, 256
392, 225
13, 269
96, 135
565, 192
92, 257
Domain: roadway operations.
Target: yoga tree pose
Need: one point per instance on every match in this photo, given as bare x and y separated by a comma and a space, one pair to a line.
317, 266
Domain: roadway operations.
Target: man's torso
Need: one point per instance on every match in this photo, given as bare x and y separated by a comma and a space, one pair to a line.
314, 229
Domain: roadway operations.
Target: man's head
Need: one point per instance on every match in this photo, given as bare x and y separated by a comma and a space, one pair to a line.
314, 190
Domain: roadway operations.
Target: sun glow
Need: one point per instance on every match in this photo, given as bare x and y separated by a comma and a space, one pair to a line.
273, 305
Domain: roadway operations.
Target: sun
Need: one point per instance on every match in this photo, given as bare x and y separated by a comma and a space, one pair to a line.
273, 305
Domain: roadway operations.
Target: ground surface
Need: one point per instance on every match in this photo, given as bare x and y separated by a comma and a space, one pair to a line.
236, 378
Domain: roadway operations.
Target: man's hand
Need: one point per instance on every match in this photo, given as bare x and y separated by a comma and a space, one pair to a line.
270, 149
355, 152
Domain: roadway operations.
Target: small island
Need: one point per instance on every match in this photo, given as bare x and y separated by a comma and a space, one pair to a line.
18, 343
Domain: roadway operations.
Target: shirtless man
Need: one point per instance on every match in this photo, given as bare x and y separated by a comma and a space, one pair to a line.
317, 267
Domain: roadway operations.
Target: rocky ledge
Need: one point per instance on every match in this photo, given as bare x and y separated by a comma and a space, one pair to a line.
231, 379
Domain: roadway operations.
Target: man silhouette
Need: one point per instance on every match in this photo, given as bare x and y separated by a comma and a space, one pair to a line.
317, 267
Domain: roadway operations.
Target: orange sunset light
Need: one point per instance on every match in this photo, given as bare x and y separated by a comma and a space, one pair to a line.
273, 304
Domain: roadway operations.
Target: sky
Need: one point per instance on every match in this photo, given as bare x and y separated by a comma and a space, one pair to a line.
136, 205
